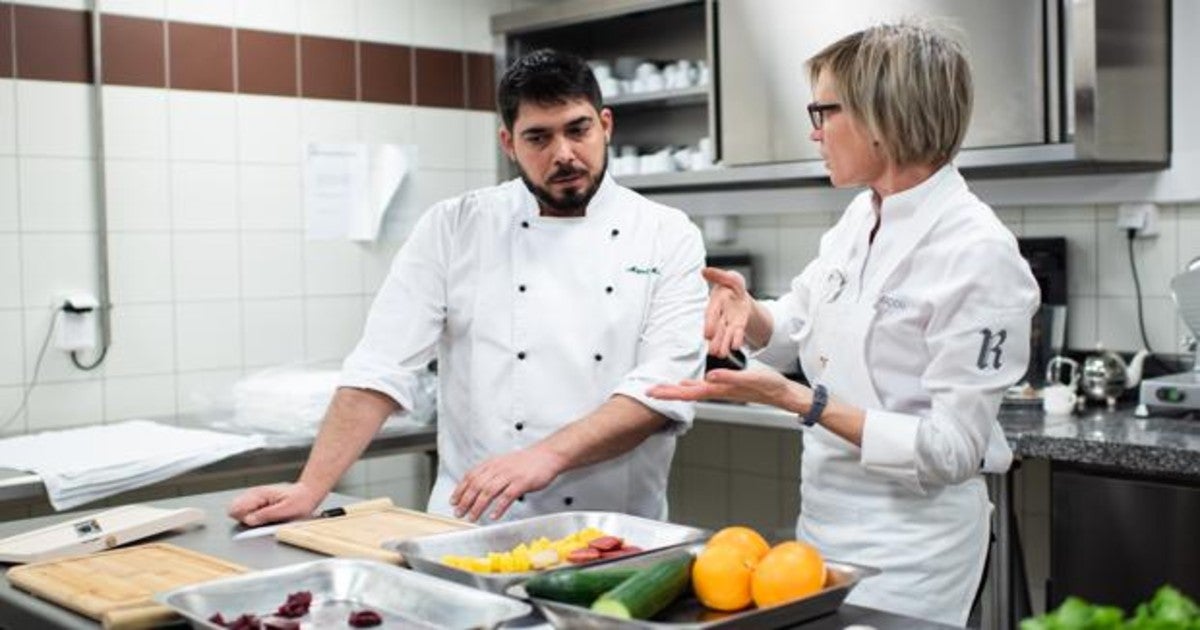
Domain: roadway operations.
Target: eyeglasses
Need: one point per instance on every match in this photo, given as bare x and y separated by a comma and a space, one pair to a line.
817, 113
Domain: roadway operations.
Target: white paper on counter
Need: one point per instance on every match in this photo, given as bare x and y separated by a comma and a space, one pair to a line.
89, 463
349, 186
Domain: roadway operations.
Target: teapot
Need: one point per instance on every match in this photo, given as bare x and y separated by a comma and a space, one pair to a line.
1104, 375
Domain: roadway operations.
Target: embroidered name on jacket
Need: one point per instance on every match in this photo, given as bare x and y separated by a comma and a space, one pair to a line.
645, 271
889, 303
990, 348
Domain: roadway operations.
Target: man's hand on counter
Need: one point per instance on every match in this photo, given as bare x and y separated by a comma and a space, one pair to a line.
270, 504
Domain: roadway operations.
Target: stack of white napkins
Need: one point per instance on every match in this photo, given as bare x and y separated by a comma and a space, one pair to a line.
89, 463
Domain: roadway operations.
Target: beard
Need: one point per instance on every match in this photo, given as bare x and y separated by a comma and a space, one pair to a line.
573, 200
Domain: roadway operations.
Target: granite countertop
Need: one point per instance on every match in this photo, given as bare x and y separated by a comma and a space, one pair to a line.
1117, 439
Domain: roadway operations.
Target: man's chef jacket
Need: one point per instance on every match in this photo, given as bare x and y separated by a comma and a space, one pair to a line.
535, 322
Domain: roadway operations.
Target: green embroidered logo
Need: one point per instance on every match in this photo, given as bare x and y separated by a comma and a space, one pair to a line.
645, 271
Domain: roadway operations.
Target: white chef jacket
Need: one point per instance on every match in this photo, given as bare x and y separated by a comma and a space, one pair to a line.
537, 321
925, 329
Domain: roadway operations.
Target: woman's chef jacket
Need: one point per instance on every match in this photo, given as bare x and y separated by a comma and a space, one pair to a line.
537, 321
924, 329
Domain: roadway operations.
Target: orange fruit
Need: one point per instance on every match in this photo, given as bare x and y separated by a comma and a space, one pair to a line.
721, 577
744, 537
789, 571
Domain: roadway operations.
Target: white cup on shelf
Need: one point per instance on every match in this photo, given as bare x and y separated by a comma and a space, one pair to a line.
1058, 400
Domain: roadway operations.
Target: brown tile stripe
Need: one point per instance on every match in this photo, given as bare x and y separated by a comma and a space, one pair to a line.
52, 44
387, 72
6, 42
481, 80
267, 63
440, 78
133, 51
201, 57
328, 68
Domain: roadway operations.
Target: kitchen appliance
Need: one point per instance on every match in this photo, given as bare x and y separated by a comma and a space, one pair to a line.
1047, 258
1180, 391
95, 532
1105, 376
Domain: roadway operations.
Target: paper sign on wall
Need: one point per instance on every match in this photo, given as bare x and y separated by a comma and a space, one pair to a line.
349, 186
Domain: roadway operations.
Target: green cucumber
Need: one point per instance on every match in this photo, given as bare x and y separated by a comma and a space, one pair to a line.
648, 591
577, 586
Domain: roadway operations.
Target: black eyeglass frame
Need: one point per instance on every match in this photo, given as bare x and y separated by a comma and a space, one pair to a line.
816, 113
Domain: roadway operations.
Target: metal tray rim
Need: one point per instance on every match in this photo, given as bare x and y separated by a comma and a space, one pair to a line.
516, 608
857, 572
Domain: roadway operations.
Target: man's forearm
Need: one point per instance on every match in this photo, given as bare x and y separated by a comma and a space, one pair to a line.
614, 428
354, 417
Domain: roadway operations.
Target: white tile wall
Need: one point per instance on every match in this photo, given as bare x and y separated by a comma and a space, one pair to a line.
143, 340
139, 397
333, 268
58, 194
62, 405
329, 18
272, 265
54, 119
438, 24
139, 8
332, 325
206, 266
9, 204
268, 129
135, 122
8, 117
12, 368
269, 197
386, 123
140, 267
203, 125
482, 141
208, 335
328, 121
207, 12
53, 264
10, 271
139, 195
268, 15
204, 391
203, 196
12, 422
273, 331
386, 21
441, 137
56, 365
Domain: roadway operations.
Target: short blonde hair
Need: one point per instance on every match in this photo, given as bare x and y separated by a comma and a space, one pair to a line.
909, 83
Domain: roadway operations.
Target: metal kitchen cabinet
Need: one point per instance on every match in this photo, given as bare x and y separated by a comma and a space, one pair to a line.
620, 33
1060, 85
1116, 537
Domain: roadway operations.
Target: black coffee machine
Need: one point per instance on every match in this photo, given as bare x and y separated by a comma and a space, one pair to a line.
1047, 258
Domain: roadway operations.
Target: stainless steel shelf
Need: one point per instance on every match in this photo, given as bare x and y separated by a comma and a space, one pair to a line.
1048, 159
574, 12
695, 95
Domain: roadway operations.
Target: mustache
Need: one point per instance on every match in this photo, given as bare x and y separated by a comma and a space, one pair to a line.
566, 173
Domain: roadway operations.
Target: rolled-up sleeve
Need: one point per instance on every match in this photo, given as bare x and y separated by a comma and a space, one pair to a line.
671, 346
408, 314
978, 341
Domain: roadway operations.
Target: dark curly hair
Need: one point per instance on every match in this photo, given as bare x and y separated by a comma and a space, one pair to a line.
545, 77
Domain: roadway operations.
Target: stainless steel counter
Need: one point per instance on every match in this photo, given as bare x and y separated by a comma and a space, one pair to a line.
19, 610
280, 452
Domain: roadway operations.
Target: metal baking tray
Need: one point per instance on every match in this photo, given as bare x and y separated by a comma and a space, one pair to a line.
687, 611
403, 598
424, 553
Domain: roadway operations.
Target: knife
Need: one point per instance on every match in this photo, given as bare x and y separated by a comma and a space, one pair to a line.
353, 508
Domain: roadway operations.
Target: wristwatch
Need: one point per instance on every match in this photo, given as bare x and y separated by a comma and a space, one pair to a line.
820, 399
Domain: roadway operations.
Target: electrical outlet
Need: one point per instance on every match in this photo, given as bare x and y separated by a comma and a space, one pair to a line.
76, 325
1140, 217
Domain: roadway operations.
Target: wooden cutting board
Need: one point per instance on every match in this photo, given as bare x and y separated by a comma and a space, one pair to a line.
362, 535
117, 586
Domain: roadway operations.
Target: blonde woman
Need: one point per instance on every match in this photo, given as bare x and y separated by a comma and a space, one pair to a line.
910, 324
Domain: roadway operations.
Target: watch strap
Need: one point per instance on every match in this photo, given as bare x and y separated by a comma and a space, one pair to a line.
819, 400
